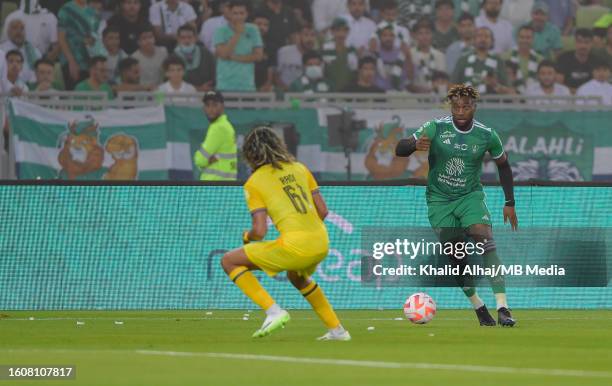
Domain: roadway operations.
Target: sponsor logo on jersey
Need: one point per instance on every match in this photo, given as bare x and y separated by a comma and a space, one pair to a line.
447, 141
455, 166
462, 147
448, 134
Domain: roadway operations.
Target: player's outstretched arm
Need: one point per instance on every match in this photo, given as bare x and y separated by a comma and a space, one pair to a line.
259, 227
507, 182
406, 147
320, 204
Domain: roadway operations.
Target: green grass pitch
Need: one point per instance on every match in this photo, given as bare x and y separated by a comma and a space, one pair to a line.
169, 348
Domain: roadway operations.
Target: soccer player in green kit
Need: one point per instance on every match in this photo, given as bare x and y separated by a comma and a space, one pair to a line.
455, 199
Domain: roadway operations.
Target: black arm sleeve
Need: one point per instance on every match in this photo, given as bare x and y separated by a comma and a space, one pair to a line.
507, 182
405, 147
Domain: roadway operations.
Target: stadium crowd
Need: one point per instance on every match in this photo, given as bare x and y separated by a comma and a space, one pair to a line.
530, 47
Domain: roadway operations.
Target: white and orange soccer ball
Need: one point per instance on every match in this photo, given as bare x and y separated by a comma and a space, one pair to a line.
420, 308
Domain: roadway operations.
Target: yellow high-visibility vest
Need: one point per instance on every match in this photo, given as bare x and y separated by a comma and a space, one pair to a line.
220, 143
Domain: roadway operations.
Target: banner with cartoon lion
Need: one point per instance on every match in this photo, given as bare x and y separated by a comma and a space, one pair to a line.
106, 145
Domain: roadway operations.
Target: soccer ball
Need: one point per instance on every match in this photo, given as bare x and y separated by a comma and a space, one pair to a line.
420, 308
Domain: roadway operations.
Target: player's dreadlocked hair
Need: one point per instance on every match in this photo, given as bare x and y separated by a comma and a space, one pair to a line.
462, 90
262, 146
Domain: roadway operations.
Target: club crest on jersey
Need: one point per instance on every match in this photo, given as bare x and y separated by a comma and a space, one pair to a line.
475, 149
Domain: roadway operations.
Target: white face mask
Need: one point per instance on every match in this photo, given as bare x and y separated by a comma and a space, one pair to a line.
314, 72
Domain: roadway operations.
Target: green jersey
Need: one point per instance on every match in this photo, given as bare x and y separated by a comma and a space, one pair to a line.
455, 157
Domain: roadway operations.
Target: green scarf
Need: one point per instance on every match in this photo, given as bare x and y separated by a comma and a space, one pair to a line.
532, 66
192, 61
476, 79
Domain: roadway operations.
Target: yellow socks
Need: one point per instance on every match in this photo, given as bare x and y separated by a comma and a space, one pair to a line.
315, 296
248, 283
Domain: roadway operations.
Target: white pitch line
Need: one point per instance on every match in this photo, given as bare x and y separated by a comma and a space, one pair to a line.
256, 317
387, 365
338, 362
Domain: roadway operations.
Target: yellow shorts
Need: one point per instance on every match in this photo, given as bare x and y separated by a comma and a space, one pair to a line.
276, 256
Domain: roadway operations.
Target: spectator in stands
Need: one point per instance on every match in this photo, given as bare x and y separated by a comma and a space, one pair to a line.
392, 67
516, 11
481, 67
361, 28
40, 27
17, 41
175, 72
471, 7
264, 69
199, 62
502, 29
340, 60
547, 37
577, 66
6, 86
302, 10
605, 53
282, 22
98, 27
411, 11
313, 79
289, 58
111, 50
207, 33
562, 14
167, 17
129, 70
445, 33
325, 11
14, 67
366, 77
98, 77
525, 58
238, 47
512, 80
204, 10
600, 84
76, 22
150, 57
45, 77
547, 82
440, 83
130, 22
389, 13
466, 29
426, 59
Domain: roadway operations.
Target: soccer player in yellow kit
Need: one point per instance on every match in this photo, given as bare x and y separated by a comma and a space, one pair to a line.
286, 191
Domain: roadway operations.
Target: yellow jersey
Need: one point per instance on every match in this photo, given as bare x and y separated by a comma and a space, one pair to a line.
286, 194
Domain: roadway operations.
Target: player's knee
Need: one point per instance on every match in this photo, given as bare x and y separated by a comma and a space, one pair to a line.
298, 281
481, 233
226, 263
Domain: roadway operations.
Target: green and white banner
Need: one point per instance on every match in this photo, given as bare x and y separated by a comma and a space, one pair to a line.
104, 145
158, 142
